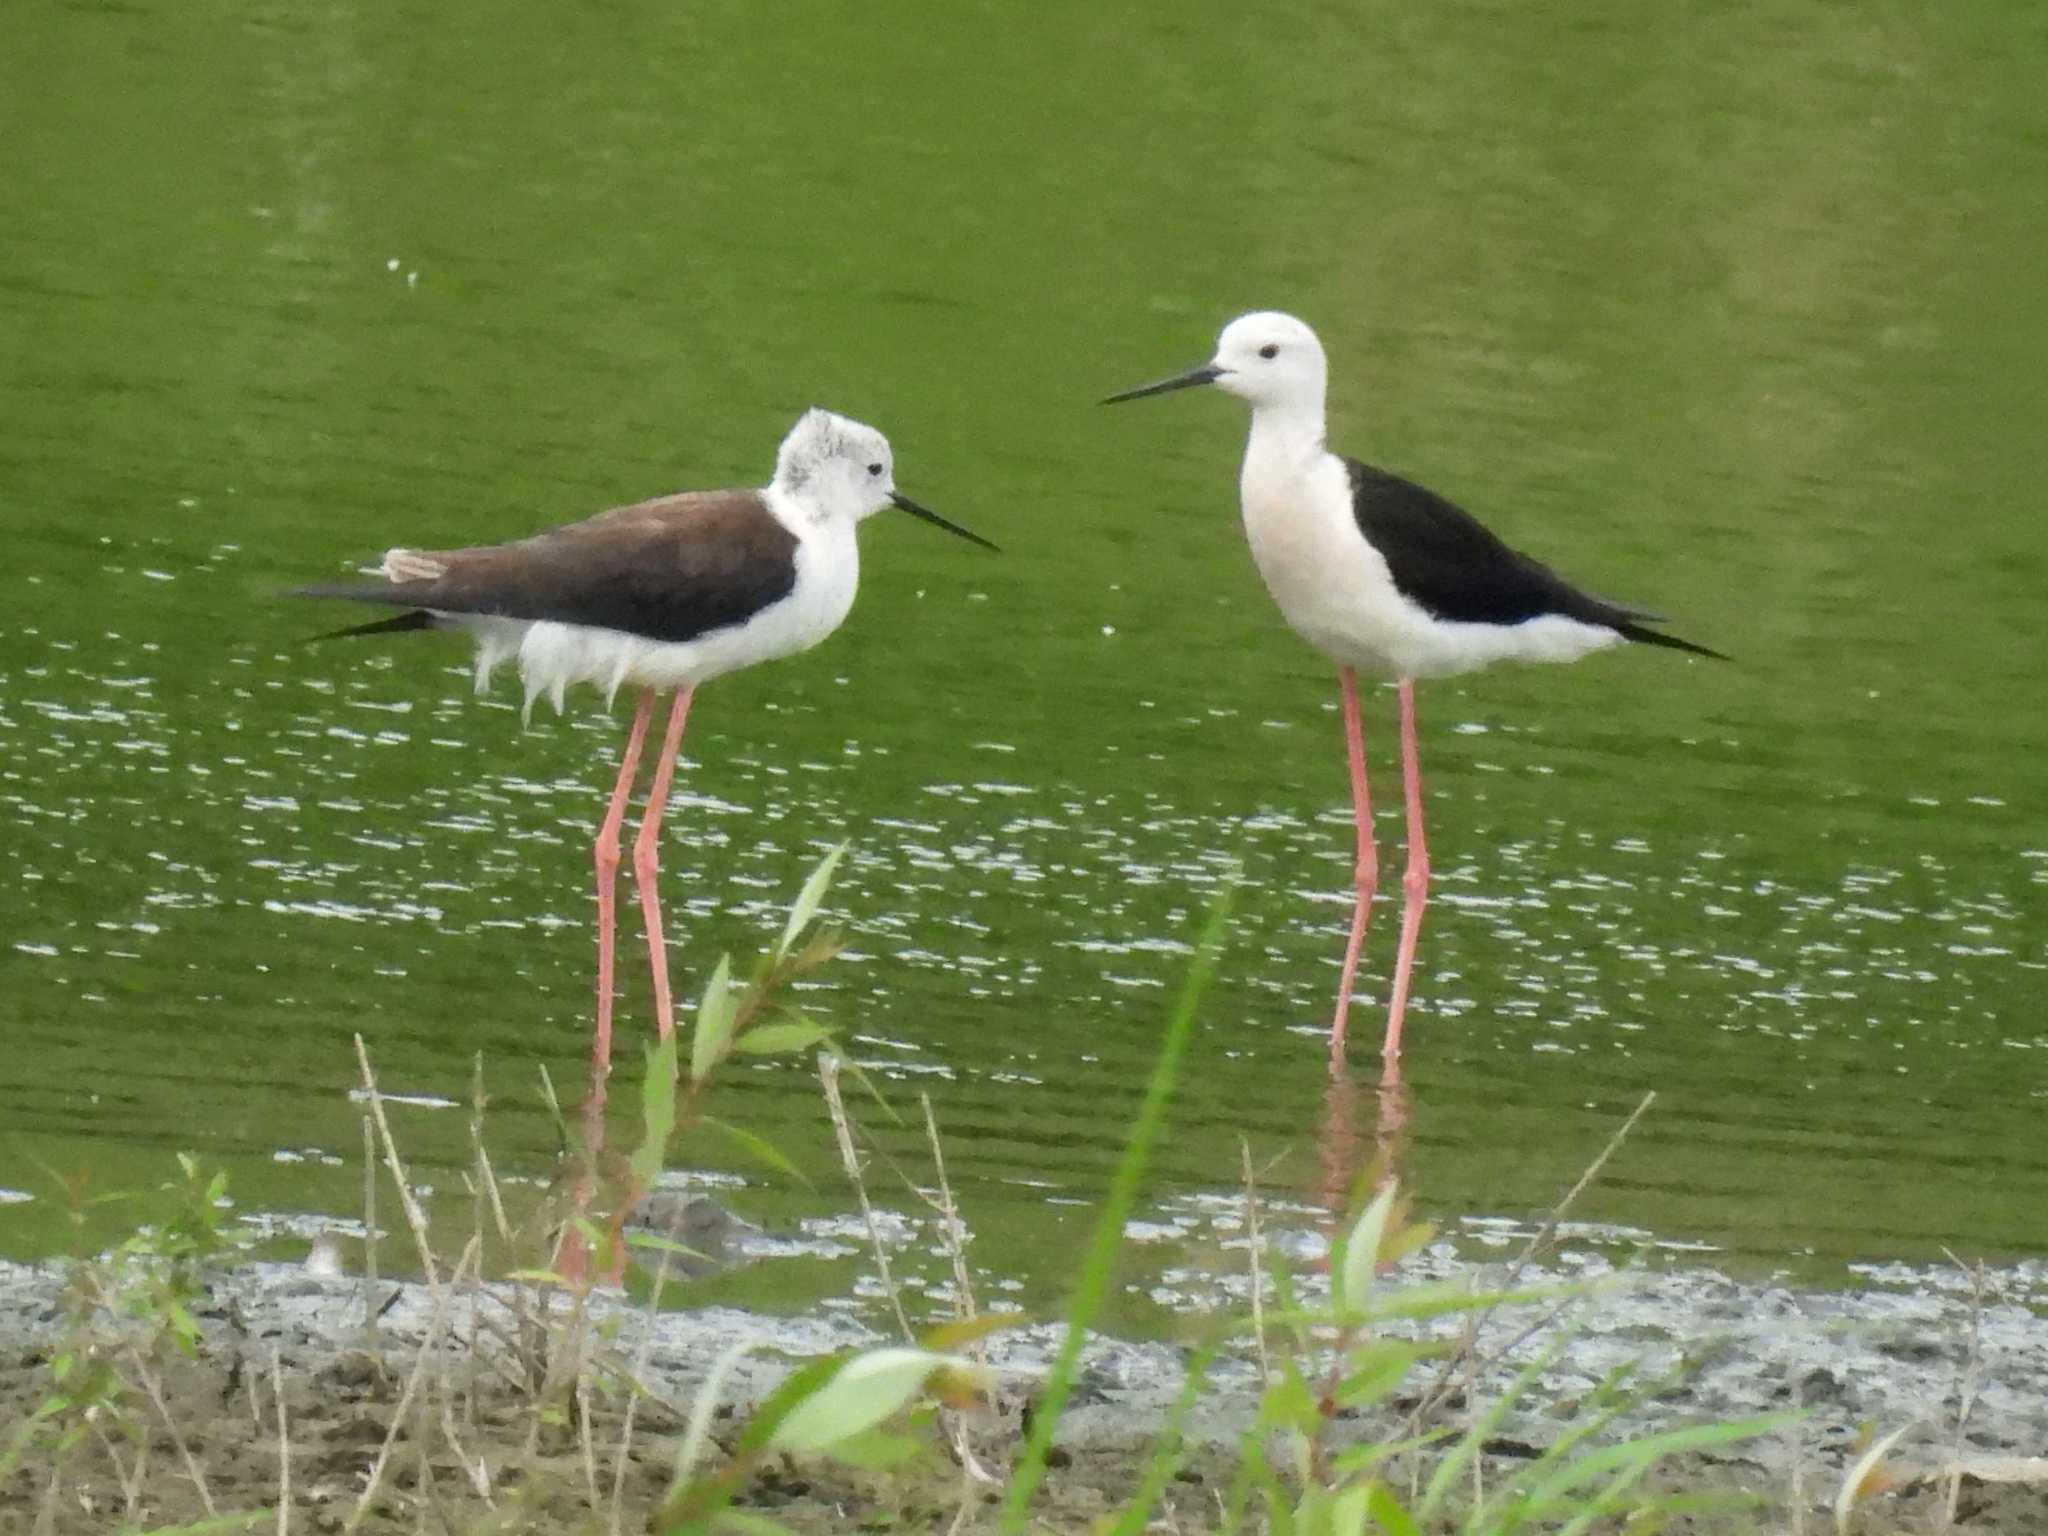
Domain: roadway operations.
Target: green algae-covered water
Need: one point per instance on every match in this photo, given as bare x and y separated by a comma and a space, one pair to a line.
1735, 312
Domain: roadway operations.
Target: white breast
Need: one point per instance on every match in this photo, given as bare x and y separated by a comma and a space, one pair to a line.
1331, 585
1338, 595
554, 657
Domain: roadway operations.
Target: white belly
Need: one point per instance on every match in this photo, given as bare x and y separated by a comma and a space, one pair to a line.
553, 657
1337, 594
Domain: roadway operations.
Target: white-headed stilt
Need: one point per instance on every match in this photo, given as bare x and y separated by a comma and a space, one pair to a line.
1386, 578
661, 595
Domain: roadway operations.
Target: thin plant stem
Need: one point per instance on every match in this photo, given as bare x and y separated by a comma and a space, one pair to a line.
414, 1217
828, 1075
192, 1469
1463, 1366
435, 1323
635, 1393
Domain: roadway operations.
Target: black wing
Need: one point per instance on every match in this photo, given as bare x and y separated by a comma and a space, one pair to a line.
1447, 562
667, 570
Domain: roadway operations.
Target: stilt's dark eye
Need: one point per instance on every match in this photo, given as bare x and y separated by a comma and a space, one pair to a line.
874, 469
1270, 350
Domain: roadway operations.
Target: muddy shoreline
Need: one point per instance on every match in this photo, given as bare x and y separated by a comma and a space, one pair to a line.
1907, 1349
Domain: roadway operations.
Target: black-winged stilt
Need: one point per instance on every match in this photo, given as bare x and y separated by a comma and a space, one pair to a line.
663, 595
1387, 578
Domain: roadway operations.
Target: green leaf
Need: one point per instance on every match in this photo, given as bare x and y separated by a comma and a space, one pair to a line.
657, 1111
877, 1450
760, 1150
1863, 1479
796, 1389
1386, 1511
1289, 1402
866, 1390
781, 1039
809, 899
949, 1338
1362, 1251
1375, 1369
1348, 1512
715, 1015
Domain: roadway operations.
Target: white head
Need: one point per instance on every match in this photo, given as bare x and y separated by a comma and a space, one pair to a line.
834, 467
1272, 360
831, 467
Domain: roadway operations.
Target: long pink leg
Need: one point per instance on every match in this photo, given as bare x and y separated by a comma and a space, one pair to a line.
606, 856
1368, 870
1414, 883
647, 860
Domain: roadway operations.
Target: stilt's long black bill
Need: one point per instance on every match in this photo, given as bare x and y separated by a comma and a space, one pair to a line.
907, 505
1208, 373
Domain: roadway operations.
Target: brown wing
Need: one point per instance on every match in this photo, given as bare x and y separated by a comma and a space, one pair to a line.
669, 569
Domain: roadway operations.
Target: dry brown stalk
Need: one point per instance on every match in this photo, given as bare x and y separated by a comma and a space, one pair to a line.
828, 1074
408, 1202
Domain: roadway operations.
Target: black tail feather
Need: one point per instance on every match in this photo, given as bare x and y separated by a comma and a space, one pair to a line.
1631, 630
417, 618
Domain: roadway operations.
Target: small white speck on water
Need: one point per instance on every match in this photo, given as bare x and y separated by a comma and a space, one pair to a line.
188, 502
391, 265
1926, 800
1109, 629
412, 279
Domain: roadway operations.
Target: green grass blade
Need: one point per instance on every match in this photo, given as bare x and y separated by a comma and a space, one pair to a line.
657, 1111
1450, 1472
1109, 1226
1169, 1450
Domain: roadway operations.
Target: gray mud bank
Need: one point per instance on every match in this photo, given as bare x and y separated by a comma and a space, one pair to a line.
1964, 1363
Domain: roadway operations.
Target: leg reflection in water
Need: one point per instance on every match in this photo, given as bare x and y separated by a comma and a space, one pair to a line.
1352, 1166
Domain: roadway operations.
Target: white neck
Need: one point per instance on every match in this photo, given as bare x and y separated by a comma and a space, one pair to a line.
794, 513
1286, 437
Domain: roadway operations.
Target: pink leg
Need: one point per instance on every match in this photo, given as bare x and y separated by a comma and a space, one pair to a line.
606, 856
1414, 883
646, 860
1368, 870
